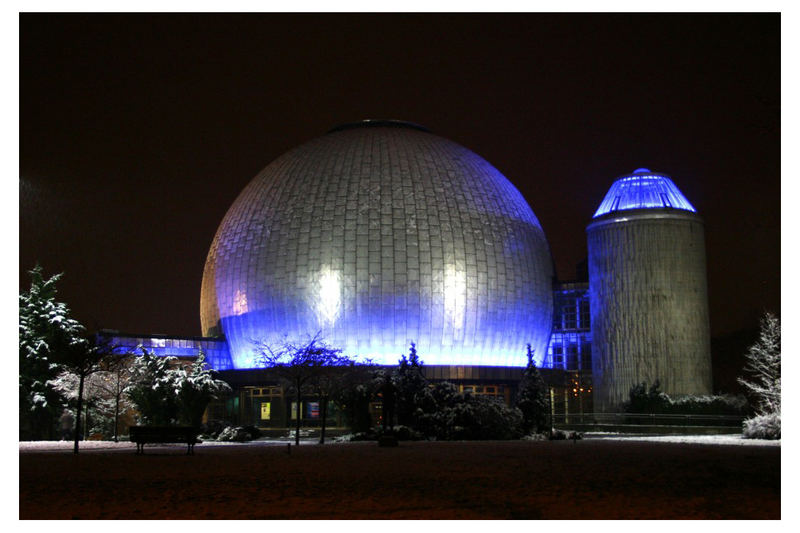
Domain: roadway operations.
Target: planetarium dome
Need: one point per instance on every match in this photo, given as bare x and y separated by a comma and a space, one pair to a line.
376, 235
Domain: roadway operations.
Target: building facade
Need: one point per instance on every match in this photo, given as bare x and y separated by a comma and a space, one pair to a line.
379, 234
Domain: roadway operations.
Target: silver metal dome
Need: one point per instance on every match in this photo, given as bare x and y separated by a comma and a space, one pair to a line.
376, 235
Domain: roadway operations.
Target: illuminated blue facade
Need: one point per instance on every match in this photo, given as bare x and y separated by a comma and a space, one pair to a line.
216, 350
381, 234
570, 346
377, 235
643, 190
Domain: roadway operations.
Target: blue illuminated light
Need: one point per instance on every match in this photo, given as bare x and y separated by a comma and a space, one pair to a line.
643, 190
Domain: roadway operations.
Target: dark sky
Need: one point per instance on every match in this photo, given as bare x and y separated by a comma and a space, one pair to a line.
137, 132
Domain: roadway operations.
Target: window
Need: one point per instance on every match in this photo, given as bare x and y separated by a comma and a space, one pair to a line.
572, 356
586, 356
558, 356
570, 319
585, 313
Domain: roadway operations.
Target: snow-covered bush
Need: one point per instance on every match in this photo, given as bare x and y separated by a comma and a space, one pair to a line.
211, 429
763, 427
725, 404
363, 436
488, 418
235, 434
447, 414
537, 436
644, 399
406, 433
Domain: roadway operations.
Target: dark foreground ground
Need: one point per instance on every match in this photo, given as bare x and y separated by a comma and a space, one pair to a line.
432, 480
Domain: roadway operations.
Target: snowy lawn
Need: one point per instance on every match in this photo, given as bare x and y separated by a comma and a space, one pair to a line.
107, 445
613, 478
724, 440
728, 440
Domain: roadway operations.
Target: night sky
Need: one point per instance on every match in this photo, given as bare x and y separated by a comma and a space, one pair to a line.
137, 132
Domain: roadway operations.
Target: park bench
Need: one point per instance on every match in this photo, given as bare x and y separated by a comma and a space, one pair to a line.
142, 435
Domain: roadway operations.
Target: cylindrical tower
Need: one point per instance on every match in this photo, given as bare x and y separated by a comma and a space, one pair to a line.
647, 283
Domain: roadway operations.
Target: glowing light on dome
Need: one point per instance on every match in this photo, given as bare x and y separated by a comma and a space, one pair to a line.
643, 190
330, 296
239, 303
455, 296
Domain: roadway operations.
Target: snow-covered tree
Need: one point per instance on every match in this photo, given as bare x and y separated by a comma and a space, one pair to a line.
410, 386
763, 380
112, 381
153, 390
166, 392
46, 332
764, 366
532, 398
195, 388
82, 358
103, 391
68, 385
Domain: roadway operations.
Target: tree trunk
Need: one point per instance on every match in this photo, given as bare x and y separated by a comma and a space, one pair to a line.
86, 422
384, 409
116, 418
299, 415
78, 414
324, 412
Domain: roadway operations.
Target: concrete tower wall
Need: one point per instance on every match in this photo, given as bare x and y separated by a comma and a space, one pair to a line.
649, 304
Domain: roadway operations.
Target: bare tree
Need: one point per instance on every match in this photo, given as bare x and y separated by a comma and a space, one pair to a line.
764, 366
337, 375
112, 380
299, 363
82, 357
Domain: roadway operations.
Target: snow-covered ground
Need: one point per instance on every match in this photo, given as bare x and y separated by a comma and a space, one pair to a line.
52, 445
487, 480
735, 440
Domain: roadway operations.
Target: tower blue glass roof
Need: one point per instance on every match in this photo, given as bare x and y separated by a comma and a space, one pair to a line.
643, 189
